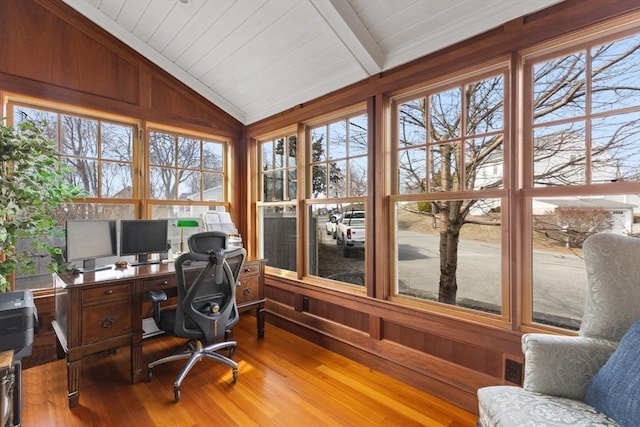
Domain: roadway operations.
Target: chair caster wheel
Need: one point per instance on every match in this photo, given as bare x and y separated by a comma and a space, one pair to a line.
232, 351
234, 376
149, 374
176, 394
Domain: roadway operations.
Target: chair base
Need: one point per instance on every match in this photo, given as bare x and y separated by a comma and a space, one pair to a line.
195, 355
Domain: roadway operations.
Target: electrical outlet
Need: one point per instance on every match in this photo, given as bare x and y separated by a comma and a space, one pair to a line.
305, 303
513, 371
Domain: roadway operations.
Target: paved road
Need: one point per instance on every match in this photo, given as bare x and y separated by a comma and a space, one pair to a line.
559, 280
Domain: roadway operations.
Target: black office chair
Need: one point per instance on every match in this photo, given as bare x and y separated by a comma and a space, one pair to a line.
208, 240
206, 309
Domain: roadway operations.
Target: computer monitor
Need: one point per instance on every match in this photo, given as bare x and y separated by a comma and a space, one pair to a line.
142, 237
88, 239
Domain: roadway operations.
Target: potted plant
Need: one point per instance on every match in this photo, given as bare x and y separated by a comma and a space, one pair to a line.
32, 185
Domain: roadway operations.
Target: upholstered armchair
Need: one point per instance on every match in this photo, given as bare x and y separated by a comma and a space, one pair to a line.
559, 370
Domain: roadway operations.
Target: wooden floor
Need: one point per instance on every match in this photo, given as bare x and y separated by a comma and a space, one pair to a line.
283, 381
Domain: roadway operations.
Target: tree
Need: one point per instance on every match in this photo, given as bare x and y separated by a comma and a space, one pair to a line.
451, 140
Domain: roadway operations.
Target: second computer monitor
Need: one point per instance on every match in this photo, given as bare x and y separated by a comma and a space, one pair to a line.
143, 237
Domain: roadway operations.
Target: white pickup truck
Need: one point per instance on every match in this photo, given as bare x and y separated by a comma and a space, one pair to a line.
350, 232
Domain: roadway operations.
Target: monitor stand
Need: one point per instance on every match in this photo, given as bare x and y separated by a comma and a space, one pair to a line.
89, 266
143, 259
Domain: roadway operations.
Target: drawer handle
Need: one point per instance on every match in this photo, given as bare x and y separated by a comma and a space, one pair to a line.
108, 292
248, 270
246, 291
108, 322
164, 283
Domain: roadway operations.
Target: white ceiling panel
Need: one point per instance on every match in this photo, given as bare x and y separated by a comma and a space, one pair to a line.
256, 58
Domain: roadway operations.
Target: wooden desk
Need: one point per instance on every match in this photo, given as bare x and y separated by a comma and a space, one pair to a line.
103, 310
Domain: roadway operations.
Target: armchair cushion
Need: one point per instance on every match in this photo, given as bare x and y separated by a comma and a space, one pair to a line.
510, 406
615, 389
563, 366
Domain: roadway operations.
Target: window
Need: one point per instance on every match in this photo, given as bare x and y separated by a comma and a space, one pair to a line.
277, 213
583, 122
449, 200
186, 174
336, 204
99, 152
184, 167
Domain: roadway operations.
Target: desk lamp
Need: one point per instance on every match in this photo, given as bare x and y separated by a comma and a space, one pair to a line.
182, 224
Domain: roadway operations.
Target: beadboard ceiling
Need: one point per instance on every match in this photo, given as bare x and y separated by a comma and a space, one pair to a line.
256, 58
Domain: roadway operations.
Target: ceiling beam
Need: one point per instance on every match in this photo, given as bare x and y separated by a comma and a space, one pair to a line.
346, 24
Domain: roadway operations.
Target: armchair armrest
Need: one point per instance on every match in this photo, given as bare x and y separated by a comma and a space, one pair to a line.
562, 366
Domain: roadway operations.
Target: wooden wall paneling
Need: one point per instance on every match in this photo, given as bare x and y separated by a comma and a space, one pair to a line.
64, 57
80, 64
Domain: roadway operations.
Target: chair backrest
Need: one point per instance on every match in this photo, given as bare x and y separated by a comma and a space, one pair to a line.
206, 307
207, 240
612, 305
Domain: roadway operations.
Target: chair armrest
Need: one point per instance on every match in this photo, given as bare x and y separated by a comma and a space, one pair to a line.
156, 295
562, 366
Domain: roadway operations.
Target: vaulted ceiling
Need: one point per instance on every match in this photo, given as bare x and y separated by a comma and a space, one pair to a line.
256, 58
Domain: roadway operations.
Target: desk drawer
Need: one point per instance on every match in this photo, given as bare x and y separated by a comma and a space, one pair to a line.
169, 281
106, 294
248, 288
106, 321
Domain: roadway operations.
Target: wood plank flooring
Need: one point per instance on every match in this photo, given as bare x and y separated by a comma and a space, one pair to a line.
284, 380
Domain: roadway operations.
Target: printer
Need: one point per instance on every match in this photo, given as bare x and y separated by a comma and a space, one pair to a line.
18, 322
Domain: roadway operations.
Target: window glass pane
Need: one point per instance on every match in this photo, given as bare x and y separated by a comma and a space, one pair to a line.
117, 142
336, 249
358, 135
358, 176
117, 180
163, 149
84, 174
615, 71
213, 189
319, 144
179, 236
292, 184
559, 155
189, 185
445, 111
279, 236
412, 123
558, 88
484, 160
188, 153
79, 136
560, 226
278, 177
319, 181
485, 106
615, 148
280, 152
267, 156
338, 140
293, 151
444, 173
412, 171
337, 181
450, 251
47, 120
162, 183
213, 156
268, 187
